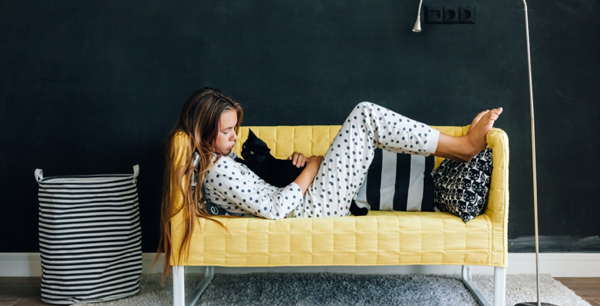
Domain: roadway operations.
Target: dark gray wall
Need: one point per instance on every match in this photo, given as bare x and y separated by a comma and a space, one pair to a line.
94, 86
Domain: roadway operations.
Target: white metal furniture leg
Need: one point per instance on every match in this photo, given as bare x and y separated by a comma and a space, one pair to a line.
499, 286
178, 286
466, 278
209, 272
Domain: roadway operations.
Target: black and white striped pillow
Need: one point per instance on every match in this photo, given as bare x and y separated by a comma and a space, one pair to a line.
90, 237
398, 182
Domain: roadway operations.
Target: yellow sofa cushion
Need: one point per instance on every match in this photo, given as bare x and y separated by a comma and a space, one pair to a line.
380, 238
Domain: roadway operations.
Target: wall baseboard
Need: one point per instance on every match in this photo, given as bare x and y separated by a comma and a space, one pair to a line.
555, 264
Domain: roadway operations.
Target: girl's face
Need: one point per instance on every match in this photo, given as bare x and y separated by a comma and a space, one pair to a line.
226, 135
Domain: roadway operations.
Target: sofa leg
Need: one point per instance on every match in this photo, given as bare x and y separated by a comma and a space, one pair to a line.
209, 272
499, 285
467, 279
178, 286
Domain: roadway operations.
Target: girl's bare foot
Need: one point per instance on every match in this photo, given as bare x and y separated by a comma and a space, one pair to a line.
476, 119
484, 122
463, 148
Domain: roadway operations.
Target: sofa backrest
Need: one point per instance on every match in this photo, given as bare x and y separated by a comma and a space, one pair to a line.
284, 140
308, 139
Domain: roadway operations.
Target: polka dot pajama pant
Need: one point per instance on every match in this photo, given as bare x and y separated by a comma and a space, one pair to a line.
344, 168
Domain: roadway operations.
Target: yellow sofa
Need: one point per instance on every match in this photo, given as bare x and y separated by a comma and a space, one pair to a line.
380, 238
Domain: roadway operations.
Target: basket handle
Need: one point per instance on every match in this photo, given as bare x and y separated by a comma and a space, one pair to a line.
39, 175
136, 171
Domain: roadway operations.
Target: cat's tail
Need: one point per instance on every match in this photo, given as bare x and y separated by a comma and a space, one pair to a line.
358, 211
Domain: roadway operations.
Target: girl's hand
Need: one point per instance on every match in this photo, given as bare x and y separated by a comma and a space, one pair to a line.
298, 159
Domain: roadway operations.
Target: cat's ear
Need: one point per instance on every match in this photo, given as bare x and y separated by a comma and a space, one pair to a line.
251, 135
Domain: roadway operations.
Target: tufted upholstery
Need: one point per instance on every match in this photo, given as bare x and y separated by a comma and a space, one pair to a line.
380, 238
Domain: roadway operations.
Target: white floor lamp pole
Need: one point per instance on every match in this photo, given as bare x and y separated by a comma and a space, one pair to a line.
533, 153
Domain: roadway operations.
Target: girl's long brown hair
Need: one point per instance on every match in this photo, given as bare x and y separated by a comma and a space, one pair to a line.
195, 131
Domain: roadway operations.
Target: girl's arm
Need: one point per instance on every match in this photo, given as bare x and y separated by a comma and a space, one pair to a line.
307, 175
239, 193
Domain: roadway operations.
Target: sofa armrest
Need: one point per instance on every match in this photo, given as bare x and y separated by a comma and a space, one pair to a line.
498, 199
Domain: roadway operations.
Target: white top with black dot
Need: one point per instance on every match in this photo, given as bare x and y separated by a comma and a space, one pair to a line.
241, 192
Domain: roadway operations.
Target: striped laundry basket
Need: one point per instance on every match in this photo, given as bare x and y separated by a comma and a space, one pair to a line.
90, 237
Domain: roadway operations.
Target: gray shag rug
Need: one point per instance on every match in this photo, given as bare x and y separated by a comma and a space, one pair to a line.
348, 289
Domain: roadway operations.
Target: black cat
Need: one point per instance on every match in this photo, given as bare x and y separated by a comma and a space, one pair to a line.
277, 172
257, 156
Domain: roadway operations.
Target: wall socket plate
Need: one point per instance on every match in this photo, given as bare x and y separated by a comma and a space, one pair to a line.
450, 14
434, 14
466, 14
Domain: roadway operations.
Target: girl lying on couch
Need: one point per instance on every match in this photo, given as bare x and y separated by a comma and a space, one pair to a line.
209, 122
